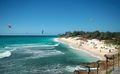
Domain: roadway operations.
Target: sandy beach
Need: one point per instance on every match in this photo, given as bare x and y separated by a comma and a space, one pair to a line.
94, 47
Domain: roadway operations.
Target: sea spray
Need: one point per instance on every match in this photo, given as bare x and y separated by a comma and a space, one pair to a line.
5, 54
72, 69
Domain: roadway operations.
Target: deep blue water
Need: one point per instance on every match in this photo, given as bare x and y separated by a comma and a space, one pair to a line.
38, 55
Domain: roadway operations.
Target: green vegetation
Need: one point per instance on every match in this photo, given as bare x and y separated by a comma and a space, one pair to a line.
109, 37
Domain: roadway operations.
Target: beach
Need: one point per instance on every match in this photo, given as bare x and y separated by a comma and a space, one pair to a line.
94, 47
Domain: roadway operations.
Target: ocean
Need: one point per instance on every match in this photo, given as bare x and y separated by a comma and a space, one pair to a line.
39, 55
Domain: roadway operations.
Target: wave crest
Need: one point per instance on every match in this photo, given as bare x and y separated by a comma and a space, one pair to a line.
5, 54
72, 69
30, 45
43, 53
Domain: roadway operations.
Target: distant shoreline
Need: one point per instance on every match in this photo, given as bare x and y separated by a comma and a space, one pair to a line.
77, 48
75, 45
81, 49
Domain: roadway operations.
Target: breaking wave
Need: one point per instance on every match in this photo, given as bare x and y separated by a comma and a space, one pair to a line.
36, 53
42, 53
30, 45
72, 69
5, 54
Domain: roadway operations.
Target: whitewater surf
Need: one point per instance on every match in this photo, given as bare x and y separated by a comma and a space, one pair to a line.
39, 55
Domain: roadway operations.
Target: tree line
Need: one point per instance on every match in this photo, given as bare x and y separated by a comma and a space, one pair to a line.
109, 37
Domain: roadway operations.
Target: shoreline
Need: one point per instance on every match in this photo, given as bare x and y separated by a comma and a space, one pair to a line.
79, 49
75, 45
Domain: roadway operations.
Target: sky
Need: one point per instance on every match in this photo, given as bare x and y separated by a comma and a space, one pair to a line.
30, 17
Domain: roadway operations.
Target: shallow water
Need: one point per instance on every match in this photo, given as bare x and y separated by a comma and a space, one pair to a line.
38, 55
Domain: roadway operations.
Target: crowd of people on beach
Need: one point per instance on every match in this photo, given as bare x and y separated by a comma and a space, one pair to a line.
95, 46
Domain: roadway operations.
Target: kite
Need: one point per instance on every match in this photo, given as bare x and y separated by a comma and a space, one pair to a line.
42, 31
9, 26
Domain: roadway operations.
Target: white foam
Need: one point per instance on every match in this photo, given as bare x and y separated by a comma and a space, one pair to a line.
43, 53
7, 47
57, 44
31, 45
72, 69
54, 69
56, 40
27, 48
5, 54
48, 69
93, 55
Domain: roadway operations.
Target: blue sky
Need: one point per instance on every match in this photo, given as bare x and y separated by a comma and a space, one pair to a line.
58, 16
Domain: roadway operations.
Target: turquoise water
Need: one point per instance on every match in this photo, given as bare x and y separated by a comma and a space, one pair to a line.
38, 55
